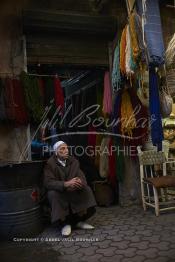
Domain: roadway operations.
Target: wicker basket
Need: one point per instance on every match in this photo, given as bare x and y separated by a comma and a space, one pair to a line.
104, 194
171, 81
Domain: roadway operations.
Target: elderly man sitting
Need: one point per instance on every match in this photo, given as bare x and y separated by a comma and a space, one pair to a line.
71, 199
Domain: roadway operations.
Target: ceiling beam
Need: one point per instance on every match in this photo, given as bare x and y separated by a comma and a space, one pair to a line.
54, 21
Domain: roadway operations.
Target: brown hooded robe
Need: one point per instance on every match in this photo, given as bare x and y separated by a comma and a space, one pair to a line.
60, 199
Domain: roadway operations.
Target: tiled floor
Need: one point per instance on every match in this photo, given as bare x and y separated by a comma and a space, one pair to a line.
121, 234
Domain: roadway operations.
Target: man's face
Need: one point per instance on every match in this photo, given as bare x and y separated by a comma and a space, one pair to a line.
63, 152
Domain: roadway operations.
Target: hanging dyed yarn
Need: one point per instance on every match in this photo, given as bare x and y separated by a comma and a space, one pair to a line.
32, 96
107, 95
116, 78
154, 106
128, 55
123, 52
134, 39
128, 121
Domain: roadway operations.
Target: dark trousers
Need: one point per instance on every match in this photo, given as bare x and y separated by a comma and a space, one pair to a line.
73, 219
56, 200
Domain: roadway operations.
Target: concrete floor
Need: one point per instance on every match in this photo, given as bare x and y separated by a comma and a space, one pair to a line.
121, 234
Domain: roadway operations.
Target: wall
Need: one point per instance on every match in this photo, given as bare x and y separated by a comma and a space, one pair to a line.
12, 140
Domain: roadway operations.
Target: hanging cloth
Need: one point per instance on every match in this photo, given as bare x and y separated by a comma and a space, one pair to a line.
59, 96
154, 106
107, 95
152, 28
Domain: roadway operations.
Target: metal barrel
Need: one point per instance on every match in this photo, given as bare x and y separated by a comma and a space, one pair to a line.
20, 175
20, 211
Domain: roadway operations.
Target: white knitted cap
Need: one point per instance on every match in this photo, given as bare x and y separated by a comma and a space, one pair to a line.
57, 144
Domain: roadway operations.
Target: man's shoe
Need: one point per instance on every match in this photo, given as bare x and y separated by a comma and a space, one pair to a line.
66, 231
83, 225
